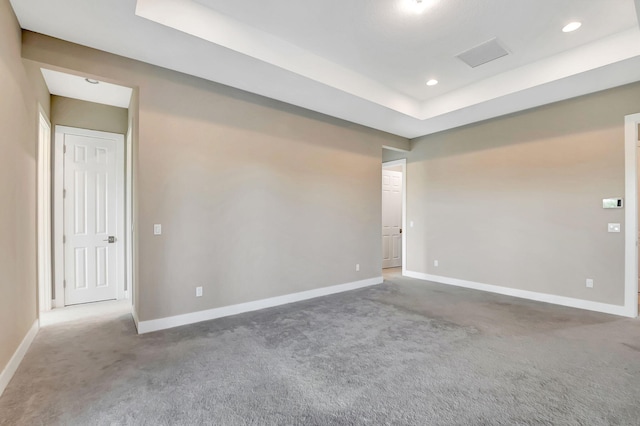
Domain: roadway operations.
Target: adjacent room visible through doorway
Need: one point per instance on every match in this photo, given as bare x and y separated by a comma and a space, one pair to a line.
90, 181
393, 205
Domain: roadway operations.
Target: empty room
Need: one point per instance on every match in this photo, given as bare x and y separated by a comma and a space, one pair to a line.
279, 212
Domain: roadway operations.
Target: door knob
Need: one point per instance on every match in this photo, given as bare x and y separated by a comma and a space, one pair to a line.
111, 239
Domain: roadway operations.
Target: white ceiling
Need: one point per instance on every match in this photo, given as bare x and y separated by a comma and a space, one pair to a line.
77, 87
367, 61
400, 49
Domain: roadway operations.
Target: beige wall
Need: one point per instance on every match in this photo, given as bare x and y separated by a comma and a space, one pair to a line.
517, 201
88, 115
395, 168
257, 198
398, 144
18, 126
37, 85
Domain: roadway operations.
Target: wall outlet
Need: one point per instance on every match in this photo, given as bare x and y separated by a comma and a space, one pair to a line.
357, 267
589, 283
157, 229
198, 291
435, 263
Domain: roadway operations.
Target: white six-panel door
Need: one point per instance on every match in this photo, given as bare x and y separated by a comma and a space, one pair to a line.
91, 214
391, 219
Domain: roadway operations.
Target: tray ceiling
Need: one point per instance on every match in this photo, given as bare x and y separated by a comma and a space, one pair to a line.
368, 61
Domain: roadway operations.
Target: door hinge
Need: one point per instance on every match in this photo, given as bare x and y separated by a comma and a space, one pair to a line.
64, 149
64, 284
64, 193
64, 239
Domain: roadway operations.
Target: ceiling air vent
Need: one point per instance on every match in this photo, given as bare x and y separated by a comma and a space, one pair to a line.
483, 53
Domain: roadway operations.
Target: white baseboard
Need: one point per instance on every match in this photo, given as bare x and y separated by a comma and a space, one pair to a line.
525, 294
194, 317
18, 355
134, 314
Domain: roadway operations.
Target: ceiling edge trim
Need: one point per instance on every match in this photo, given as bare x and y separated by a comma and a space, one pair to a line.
203, 22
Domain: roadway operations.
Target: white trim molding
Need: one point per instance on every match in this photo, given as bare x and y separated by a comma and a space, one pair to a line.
225, 311
631, 123
45, 281
18, 356
134, 314
397, 149
525, 294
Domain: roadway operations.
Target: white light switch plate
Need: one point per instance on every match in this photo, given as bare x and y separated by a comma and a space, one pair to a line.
614, 227
198, 291
157, 229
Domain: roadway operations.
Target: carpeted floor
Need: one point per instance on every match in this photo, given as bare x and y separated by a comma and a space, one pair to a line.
405, 352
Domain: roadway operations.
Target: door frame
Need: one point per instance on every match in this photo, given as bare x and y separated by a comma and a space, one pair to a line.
631, 123
403, 163
58, 214
44, 212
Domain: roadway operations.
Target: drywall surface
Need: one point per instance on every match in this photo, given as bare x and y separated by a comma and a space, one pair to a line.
38, 86
18, 144
88, 115
398, 168
256, 198
517, 201
392, 155
396, 144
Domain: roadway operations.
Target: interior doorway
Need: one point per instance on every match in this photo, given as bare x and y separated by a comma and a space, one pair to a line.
632, 133
90, 233
393, 214
85, 198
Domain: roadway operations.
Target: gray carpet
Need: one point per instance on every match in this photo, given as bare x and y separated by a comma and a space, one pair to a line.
405, 352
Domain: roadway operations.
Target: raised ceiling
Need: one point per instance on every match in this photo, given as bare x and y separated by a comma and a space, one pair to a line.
367, 61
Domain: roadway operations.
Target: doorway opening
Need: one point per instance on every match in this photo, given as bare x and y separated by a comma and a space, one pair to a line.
90, 187
393, 215
631, 237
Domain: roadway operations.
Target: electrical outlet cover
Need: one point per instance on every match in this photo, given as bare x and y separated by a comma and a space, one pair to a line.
614, 227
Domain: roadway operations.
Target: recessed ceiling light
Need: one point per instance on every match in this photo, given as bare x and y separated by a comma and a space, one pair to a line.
432, 82
571, 27
91, 81
417, 6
